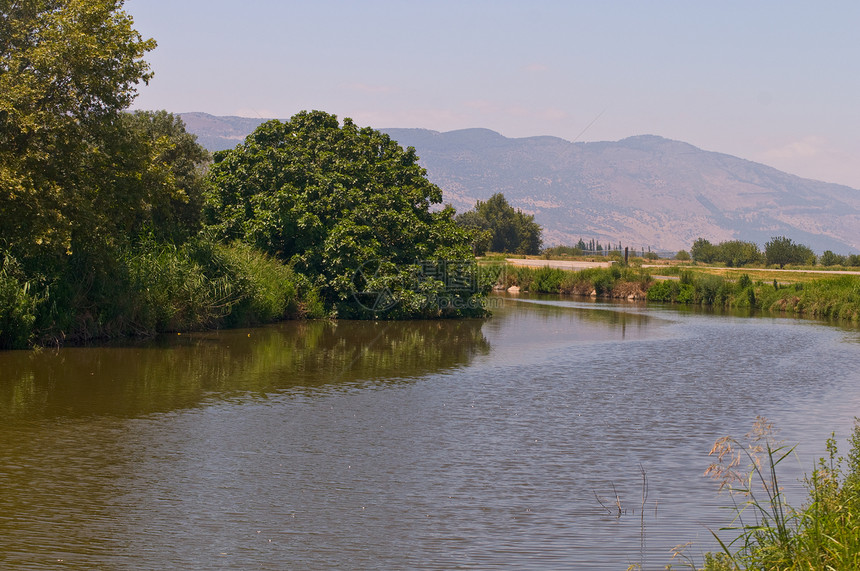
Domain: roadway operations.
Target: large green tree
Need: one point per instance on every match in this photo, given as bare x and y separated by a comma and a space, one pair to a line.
511, 230
479, 229
781, 251
346, 206
67, 69
155, 172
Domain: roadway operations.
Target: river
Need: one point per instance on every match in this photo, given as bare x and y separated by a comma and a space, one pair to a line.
429, 445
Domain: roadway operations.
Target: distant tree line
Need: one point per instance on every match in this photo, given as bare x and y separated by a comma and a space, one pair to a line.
779, 251
733, 253
594, 247
828, 258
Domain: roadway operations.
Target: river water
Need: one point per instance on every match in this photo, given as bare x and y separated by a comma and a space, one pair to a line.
501, 443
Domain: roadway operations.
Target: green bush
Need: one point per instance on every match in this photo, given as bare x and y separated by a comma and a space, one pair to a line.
711, 290
687, 293
664, 290
547, 280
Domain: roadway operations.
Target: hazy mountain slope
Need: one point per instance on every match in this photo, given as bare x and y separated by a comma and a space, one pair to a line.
219, 133
642, 191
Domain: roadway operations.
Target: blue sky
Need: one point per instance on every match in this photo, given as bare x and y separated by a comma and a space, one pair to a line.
773, 82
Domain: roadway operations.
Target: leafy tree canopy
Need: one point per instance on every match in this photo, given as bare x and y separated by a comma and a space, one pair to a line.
330, 198
479, 229
67, 68
158, 170
781, 251
511, 230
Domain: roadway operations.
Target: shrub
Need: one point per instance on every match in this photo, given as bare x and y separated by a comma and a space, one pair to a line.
547, 280
711, 290
664, 290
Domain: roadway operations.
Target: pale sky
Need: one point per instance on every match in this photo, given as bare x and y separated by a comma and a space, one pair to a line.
776, 82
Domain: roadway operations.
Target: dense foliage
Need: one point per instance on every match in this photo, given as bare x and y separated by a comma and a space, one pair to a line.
347, 207
495, 225
101, 209
67, 69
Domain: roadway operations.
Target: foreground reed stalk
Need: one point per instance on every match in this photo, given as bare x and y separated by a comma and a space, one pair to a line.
769, 533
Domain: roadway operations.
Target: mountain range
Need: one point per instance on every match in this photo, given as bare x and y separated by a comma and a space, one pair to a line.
642, 191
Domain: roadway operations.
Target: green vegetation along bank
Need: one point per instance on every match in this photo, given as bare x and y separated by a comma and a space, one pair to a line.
835, 297
116, 223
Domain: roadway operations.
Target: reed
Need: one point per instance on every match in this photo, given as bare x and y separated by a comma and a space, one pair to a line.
770, 534
146, 289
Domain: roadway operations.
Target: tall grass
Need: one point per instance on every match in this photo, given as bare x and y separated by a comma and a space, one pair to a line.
207, 284
150, 288
770, 534
835, 297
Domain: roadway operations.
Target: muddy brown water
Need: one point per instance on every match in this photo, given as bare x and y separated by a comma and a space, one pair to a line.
434, 445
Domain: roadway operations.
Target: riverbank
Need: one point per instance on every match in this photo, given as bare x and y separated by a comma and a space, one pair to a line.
835, 296
154, 288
